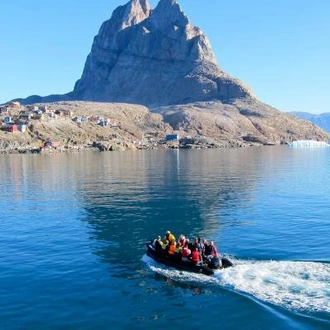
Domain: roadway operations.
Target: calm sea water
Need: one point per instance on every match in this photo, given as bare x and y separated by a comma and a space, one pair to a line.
73, 228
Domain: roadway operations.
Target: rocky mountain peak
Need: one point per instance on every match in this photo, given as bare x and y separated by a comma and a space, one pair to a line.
134, 12
123, 17
154, 57
169, 21
168, 12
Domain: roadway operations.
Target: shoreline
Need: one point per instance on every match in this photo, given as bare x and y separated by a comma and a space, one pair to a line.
98, 147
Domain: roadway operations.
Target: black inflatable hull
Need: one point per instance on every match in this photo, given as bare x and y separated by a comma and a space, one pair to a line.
176, 262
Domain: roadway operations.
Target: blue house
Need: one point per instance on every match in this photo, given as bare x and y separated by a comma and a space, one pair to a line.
172, 137
7, 120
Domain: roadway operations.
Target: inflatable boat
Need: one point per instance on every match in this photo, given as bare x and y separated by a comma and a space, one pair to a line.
206, 267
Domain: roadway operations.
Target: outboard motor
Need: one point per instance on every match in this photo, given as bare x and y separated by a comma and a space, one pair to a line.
215, 263
226, 263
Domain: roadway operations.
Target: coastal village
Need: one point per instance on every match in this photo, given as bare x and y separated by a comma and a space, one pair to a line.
15, 117
75, 126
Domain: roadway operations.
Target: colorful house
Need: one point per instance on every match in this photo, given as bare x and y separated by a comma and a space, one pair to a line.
51, 144
32, 107
25, 116
104, 123
172, 137
10, 128
81, 119
7, 120
22, 128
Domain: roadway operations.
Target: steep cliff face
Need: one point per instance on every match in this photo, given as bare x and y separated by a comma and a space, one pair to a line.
154, 58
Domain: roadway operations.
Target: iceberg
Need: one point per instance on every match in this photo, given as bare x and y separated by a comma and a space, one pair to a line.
308, 144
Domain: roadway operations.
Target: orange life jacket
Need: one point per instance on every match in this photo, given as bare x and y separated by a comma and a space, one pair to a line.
171, 249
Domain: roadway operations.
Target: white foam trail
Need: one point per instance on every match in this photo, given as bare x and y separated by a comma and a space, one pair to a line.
178, 275
299, 286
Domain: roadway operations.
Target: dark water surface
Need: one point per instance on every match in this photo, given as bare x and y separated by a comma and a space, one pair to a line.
73, 228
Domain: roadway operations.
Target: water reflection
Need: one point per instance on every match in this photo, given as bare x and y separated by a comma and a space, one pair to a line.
131, 197
128, 198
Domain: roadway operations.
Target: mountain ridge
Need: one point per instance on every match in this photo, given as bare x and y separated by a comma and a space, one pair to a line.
322, 120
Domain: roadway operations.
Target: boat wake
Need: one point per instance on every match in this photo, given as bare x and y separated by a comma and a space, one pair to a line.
294, 285
300, 286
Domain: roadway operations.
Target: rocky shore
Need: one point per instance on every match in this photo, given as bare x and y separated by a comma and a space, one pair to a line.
78, 125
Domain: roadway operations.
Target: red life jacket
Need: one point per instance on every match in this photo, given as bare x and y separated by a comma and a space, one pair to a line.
195, 256
185, 252
182, 242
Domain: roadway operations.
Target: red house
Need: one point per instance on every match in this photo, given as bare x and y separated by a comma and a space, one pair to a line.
10, 128
13, 128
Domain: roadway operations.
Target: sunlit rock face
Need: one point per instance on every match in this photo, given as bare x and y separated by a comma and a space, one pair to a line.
154, 57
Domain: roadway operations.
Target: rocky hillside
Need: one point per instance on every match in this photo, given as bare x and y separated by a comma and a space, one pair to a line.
77, 126
243, 122
126, 128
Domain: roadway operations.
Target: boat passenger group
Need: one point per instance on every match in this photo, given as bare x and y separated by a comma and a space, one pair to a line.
196, 251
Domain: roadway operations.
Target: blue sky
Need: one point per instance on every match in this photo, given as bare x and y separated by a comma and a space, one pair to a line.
280, 48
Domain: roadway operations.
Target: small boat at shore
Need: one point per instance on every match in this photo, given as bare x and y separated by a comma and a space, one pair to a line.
207, 267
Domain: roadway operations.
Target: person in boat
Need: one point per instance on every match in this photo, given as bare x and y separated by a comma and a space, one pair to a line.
200, 246
158, 244
168, 238
156, 240
190, 244
171, 248
196, 243
195, 256
206, 247
211, 250
185, 253
182, 240
178, 248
